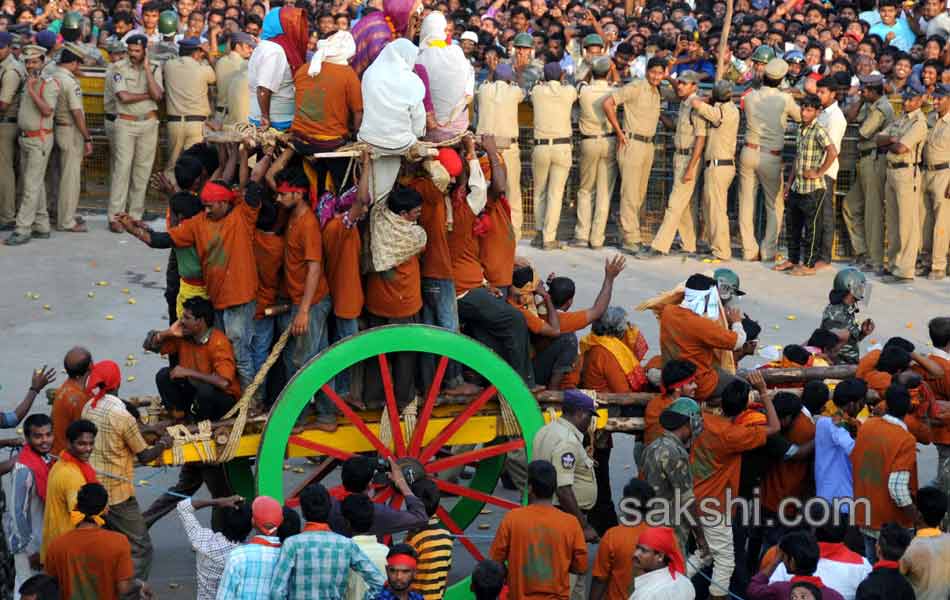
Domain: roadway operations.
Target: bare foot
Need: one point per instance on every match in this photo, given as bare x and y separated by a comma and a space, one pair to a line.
354, 402
785, 266
802, 271
464, 389
328, 427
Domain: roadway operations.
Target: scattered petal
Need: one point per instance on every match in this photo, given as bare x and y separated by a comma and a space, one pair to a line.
143, 482
485, 511
707, 261
484, 526
791, 317
173, 586
109, 317
125, 290
102, 283
158, 269
91, 294
297, 469
130, 378
47, 307
131, 300
910, 326
776, 327
130, 357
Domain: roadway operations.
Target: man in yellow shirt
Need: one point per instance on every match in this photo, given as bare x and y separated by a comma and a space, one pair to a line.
71, 472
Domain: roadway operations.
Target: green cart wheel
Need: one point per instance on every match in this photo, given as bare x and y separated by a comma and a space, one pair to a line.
435, 429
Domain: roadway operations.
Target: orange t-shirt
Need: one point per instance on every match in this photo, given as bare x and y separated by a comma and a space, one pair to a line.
940, 428
463, 248
89, 563
341, 263
325, 104
614, 560
226, 250
867, 363
684, 335
791, 478
541, 545
572, 322
396, 293
716, 456
496, 249
436, 259
269, 257
651, 417
880, 449
213, 357
67, 408
303, 245
602, 372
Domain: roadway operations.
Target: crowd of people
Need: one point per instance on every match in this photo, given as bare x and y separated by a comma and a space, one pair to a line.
390, 195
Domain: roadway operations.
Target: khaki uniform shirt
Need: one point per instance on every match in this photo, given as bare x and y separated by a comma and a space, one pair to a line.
239, 101
561, 443
723, 128
910, 131
767, 111
12, 77
874, 119
641, 107
937, 148
591, 97
498, 109
226, 67
108, 90
70, 97
552, 110
689, 126
132, 79
187, 90
29, 117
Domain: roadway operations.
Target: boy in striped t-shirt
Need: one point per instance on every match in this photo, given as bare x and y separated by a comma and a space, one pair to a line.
433, 544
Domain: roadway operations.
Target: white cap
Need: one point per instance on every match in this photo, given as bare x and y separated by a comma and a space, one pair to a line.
470, 36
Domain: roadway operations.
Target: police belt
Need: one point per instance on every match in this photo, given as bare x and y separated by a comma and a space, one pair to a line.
756, 147
110, 117
599, 136
552, 141
721, 163
866, 152
187, 118
684, 151
900, 165
640, 138
152, 114
936, 167
221, 109
8, 120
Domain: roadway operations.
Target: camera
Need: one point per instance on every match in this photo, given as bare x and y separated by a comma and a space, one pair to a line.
412, 471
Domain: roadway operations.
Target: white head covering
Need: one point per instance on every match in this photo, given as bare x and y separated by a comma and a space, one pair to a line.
433, 29
336, 50
704, 303
392, 98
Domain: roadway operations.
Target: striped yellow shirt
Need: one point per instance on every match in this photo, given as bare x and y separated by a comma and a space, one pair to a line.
434, 546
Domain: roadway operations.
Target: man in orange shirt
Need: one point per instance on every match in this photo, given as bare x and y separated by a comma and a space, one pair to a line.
613, 566
71, 396
678, 380
716, 460
884, 463
939, 329
691, 331
268, 258
542, 545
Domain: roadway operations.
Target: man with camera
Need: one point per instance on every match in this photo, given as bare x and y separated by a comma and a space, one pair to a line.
358, 474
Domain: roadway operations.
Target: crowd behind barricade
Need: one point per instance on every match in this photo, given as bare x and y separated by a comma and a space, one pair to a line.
346, 191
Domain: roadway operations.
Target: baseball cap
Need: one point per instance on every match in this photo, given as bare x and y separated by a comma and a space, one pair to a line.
913, 91
942, 90
578, 399
678, 413
46, 39
688, 76
138, 39
600, 66
267, 514
593, 40
244, 38
189, 43
470, 36
504, 72
776, 68
872, 79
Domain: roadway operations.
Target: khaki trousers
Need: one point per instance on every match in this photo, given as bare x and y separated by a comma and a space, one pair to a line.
635, 160
863, 210
34, 155
8, 133
723, 559
598, 166
108, 127
70, 143
133, 156
181, 136
512, 158
126, 518
902, 201
716, 182
760, 167
936, 185
680, 212
551, 164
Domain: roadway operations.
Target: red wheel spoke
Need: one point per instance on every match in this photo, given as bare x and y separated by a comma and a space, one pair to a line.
383, 495
459, 490
456, 424
322, 470
391, 406
423, 421
452, 526
397, 501
319, 448
357, 421
473, 456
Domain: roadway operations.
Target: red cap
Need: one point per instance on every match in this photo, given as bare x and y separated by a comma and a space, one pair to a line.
267, 514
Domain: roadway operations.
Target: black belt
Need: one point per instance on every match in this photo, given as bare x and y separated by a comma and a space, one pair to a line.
221, 108
686, 152
551, 142
640, 138
936, 167
900, 165
597, 137
721, 163
866, 152
186, 118
110, 117
8, 120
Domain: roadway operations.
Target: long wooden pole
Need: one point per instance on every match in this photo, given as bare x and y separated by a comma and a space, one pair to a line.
724, 41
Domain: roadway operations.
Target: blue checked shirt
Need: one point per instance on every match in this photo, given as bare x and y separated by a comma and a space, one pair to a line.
316, 564
249, 572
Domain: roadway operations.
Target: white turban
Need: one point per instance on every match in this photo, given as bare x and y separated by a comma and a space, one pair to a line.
336, 49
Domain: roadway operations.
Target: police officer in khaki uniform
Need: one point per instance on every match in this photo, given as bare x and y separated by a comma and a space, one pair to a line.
767, 110
12, 75
641, 113
689, 141
551, 158
242, 45
498, 100
239, 101
598, 161
35, 122
528, 69
936, 167
117, 52
139, 88
188, 105
722, 116
73, 139
560, 442
863, 209
903, 141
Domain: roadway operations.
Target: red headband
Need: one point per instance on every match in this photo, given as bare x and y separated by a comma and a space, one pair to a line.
215, 192
661, 539
286, 188
105, 377
677, 384
401, 560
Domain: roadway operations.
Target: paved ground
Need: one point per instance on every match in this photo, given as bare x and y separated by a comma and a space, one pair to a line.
72, 309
